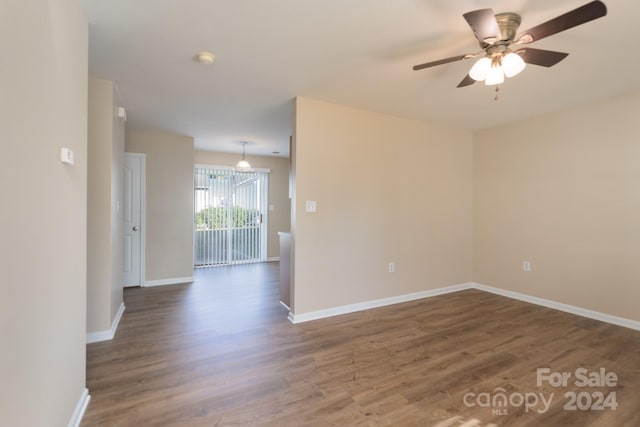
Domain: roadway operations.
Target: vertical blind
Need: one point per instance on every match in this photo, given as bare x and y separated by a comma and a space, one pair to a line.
230, 216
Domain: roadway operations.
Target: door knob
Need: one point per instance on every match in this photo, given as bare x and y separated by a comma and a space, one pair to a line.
135, 228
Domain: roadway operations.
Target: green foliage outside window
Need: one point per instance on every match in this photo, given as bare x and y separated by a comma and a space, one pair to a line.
215, 218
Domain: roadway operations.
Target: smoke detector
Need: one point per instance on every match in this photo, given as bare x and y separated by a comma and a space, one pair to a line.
205, 58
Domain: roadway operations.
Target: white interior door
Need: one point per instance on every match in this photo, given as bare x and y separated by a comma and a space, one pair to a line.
133, 241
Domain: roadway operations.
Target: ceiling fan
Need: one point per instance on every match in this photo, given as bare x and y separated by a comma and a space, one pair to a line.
497, 36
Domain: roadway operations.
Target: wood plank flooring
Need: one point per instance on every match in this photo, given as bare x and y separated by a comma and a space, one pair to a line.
220, 352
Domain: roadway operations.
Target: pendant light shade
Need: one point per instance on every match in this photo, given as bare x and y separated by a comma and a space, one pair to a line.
243, 165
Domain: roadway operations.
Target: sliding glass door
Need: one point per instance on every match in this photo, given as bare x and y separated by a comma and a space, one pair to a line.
230, 220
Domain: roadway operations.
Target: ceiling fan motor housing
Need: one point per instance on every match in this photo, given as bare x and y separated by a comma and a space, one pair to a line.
508, 23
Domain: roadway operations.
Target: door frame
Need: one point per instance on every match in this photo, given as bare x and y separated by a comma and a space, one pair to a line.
143, 216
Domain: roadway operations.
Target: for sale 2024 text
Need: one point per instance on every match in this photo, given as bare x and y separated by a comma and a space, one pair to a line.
583, 378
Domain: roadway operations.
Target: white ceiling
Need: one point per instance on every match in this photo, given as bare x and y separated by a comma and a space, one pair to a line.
352, 52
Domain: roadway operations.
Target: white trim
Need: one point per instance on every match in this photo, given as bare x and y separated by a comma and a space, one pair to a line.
351, 308
285, 306
591, 314
116, 319
81, 406
98, 336
163, 282
106, 335
228, 168
273, 259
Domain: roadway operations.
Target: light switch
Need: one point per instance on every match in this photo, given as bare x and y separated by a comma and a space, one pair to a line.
66, 155
311, 206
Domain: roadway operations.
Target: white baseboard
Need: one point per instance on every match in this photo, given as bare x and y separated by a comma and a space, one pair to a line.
107, 335
164, 282
273, 259
591, 314
81, 406
285, 306
351, 308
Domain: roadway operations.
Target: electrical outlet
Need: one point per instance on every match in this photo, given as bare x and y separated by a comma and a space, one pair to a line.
526, 266
392, 267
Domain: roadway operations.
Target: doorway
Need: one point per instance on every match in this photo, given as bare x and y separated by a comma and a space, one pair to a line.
230, 216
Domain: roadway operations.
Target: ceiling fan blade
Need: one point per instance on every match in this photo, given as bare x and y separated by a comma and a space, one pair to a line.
440, 62
484, 25
467, 81
583, 14
545, 58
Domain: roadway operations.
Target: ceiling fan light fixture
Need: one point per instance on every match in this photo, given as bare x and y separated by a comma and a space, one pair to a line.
480, 69
495, 76
512, 64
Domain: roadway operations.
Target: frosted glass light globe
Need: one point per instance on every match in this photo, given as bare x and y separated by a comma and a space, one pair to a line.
495, 76
512, 64
480, 69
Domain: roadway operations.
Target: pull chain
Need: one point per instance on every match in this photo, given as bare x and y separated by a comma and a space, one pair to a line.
497, 92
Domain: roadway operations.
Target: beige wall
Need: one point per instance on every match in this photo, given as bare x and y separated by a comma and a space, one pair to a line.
279, 217
169, 204
563, 191
387, 189
43, 247
105, 195
117, 200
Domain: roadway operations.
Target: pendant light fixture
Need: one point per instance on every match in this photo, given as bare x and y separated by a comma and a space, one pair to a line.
243, 165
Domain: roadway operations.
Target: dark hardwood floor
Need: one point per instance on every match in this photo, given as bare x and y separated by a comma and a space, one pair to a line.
220, 352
